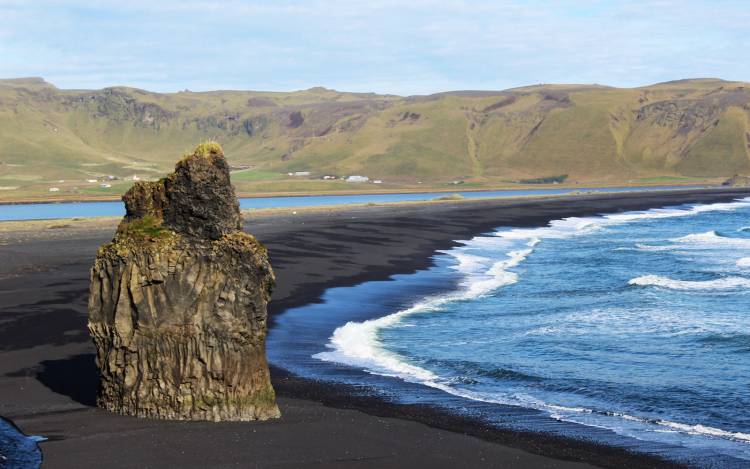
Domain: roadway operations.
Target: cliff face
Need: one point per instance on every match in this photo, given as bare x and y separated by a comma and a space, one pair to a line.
177, 308
694, 128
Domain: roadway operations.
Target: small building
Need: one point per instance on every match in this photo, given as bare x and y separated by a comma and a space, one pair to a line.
91, 180
357, 178
54, 189
377, 181
104, 185
136, 178
301, 173
329, 177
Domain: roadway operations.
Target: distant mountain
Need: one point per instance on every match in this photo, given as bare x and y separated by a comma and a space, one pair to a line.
682, 129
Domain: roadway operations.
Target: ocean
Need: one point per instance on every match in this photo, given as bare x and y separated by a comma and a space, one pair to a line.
18, 451
629, 329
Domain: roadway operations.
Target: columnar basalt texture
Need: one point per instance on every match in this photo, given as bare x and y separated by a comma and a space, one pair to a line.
177, 308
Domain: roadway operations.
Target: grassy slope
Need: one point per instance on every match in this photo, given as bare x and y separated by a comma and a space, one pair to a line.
665, 132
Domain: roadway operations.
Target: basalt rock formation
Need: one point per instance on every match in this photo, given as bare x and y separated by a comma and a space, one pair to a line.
177, 308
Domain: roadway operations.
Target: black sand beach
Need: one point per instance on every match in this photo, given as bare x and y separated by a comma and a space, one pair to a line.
48, 379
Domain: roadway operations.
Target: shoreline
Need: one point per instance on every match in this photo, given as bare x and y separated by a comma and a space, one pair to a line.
256, 213
409, 190
562, 448
588, 205
311, 252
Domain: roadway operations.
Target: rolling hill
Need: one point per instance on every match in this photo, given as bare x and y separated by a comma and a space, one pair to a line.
90, 143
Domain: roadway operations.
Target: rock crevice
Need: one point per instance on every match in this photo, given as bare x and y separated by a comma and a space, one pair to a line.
177, 308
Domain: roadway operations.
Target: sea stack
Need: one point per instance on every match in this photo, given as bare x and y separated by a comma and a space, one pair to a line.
177, 308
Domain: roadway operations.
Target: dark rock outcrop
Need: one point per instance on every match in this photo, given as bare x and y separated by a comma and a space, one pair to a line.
737, 181
177, 308
296, 119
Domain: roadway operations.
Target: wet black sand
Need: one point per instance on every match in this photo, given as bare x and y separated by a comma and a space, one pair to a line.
48, 379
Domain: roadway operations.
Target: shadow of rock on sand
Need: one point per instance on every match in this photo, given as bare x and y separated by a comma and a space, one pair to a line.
76, 377
22, 330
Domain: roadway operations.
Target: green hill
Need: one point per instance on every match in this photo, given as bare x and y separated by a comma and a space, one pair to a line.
80, 141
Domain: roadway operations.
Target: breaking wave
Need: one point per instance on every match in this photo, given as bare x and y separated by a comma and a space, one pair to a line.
713, 239
358, 344
726, 283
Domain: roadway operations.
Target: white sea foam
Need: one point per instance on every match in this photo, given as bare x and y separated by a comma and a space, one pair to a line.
467, 263
711, 239
706, 237
358, 344
705, 430
744, 262
679, 212
574, 414
726, 283
696, 429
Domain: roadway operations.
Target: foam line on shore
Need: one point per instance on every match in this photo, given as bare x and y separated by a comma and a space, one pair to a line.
358, 344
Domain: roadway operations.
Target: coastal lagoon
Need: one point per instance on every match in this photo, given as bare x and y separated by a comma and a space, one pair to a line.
48, 211
628, 329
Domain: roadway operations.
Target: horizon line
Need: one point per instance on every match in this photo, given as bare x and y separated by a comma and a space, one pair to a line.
42, 80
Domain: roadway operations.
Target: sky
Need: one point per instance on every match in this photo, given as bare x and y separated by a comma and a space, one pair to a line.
384, 46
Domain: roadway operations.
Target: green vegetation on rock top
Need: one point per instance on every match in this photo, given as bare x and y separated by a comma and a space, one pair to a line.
207, 148
148, 228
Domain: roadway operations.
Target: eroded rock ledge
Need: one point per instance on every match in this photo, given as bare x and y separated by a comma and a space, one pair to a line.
177, 308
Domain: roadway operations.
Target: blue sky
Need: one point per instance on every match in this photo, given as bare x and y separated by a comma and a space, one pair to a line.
386, 46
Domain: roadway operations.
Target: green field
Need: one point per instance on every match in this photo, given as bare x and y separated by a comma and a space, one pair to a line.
689, 131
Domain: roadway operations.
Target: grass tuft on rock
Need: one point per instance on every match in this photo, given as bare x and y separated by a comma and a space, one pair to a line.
147, 228
208, 148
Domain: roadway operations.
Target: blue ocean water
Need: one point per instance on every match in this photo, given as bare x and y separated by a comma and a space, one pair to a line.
632, 329
47, 211
18, 451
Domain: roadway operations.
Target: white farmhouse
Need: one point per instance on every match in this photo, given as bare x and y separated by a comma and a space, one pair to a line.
357, 179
